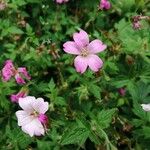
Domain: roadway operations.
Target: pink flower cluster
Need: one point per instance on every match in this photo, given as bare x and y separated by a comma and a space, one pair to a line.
19, 74
10, 71
32, 118
86, 52
61, 1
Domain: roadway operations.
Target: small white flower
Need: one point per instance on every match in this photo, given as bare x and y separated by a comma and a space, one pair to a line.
146, 107
32, 118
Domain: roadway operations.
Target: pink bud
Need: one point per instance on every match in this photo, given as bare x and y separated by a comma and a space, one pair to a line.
104, 4
20, 94
23, 70
122, 91
136, 25
61, 1
9, 71
19, 79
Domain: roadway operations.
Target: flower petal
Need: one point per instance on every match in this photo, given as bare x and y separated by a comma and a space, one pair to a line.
71, 48
96, 46
40, 106
7, 71
14, 98
23, 117
81, 39
94, 62
20, 94
59, 1
19, 79
43, 118
26, 103
23, 70
104, 4
80, 64
146, 107
34, 128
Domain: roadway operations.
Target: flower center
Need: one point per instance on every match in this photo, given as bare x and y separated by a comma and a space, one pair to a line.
35, 114
84, 52
41, 117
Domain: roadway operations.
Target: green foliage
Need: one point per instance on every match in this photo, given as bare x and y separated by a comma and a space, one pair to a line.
86, 110
77, 135
104, 118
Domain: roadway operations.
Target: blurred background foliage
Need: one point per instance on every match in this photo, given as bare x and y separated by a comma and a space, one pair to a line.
86, 111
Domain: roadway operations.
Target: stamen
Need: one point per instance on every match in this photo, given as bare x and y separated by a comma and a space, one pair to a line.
84, 52
35, 114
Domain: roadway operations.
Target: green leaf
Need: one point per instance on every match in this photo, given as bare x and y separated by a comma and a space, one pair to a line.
137, 92
104, 118
139, 111
146, 132
17, 138
15, 30
95, 90
51, 85
75, 135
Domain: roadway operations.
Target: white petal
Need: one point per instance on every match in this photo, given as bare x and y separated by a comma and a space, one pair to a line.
26, 103
34, 128
40, 106
146, 107
23, 117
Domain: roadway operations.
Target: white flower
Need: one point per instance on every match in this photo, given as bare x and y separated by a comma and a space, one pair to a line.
32, 118
146, 107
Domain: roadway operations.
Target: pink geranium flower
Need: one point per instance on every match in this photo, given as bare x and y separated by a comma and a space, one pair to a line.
21, 94
61, 1
86, 52
32, 118
104, 4
9, 71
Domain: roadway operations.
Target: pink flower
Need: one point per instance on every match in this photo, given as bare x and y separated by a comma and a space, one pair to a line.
86, 52
20, 94
136, 25
136, 22
122, 91
9, 71
146, 107
32, 118
104, 4
2, 5
61, 1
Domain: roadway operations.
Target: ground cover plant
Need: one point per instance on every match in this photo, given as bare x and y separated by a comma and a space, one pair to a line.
75, 74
